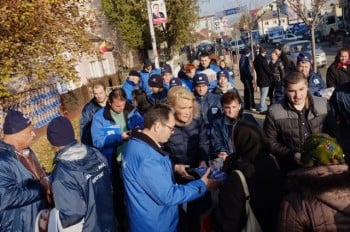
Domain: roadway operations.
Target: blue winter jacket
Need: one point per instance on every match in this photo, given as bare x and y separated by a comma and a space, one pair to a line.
189, 144
86, 119
159, 98
210, 107
152, 196
135, 120
106, 133
221, 133
82, 188
316, 83
21, 196
128, 87
186, 82
215, 68
144, 79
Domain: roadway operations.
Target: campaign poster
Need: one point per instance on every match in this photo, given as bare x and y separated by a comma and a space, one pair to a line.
158, 12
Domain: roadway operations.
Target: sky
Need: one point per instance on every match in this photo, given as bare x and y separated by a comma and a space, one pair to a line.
208, 7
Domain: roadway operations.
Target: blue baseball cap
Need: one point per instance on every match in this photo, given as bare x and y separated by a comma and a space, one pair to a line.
304, 56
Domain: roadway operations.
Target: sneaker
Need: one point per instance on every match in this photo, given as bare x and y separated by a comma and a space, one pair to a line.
252, 109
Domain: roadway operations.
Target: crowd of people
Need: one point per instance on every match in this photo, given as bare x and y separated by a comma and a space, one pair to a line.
143, 159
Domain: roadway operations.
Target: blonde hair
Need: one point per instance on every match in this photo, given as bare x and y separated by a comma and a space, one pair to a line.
178, 92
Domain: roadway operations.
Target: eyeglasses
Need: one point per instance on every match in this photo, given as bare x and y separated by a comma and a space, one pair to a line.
169, 127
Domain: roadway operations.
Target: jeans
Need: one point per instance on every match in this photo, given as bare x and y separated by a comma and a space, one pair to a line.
263, 94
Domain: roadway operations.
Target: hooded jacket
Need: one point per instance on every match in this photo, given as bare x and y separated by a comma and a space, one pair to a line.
82, 188
152, 195
21, 196
319, 200
263, 178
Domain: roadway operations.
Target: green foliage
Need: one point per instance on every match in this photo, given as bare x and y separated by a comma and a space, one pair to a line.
131, 20
35, 35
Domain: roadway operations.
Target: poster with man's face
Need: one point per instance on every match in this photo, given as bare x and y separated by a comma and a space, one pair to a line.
158, 12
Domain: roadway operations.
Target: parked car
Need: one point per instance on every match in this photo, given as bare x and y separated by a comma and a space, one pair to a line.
206, 46
285, 39
237, 44
294, 48
318, 36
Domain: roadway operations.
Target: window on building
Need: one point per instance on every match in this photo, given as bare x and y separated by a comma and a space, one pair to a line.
266, 23
96, 69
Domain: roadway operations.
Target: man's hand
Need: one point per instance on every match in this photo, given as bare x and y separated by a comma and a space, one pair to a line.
181, 170
126, 135
210, 183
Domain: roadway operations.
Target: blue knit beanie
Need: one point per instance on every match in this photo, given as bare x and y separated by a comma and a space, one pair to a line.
15, 122
60, 132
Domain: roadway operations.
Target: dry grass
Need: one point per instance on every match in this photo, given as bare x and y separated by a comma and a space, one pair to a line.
44, 150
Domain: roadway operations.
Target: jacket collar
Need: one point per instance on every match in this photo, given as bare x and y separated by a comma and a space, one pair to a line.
145, 138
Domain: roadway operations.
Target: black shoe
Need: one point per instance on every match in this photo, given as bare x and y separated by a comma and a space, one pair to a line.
263, 112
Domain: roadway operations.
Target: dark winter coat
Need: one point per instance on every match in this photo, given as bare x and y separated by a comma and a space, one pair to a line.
245, 69
284, 129
82, 188
336, 76
220, 133
210, 107
316, 83
86, 119
319, 200
340, 115
277, 70
263, 177
21, 196
189, 144
263, 71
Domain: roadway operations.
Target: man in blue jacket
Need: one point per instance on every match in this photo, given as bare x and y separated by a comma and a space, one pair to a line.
146, 73
22, 187
151, 193
81, 182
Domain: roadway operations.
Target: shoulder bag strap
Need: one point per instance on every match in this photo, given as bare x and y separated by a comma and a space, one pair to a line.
244, 183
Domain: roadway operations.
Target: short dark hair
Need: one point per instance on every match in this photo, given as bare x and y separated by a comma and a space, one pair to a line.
262, 50
117, 93
230, 96
157, 113
204, 54
294, 78
140, 97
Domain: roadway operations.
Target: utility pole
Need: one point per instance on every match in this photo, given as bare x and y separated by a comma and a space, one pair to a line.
153, 36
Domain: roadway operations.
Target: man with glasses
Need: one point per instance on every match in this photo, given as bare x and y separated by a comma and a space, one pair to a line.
152, 195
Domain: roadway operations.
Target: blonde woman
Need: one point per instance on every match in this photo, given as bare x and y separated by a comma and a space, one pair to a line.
188, 145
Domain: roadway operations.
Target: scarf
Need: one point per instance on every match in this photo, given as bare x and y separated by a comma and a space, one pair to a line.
341, 64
